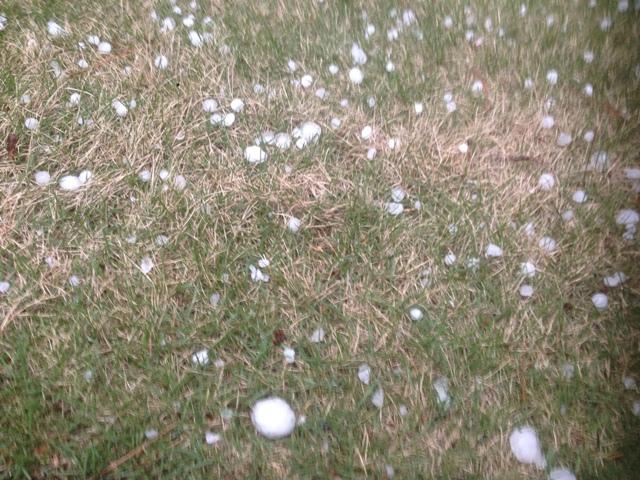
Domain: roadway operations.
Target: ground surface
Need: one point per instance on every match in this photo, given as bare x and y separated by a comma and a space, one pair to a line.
101, 315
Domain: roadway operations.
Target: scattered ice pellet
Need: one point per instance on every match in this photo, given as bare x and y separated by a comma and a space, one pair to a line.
526, 291
218, 363
441, 386
546, 181
394, 208
528, 269
389, 471
588, 56
552, 77
317, 336
392, 34
447, 22
358, 55
4, 287
120, 108
74, 281
356, 76
579, 196
605, 23
564, 139
163, 174
493, 250
273, 418
282, 141
599, 161
525, 446
371, 153
568, 370
54, 29
450, 258
168, 24
70, 183
627, 217
88, 375
229, 119
3, 22
390, 66
364, 373
42, 178
588, 136
561, 474
418, 107
74, 99
366, 132
31, 123
528, 83
635, 408
623, 5
547, 243
201, 357
144, 176
289, 355
393, 143
336, 122
567, 215
477, 87
292, 65
377, 399
104, 48
131, 239
214, 299
263, 262
416, 313
615, 279
600, 301
146, 265
161, 62
211, 438
322, 93
403, 410
258, 275
463, 147
294, 224
84, 176
451, 106
25, 99
547, 122
254, 154
209, 105
162, 240
629, 382
309, 132
195, 39
333, 69
473, 263
179, 182
398, 194
237, 105
632, 174
306, 81
588, 90
151, 434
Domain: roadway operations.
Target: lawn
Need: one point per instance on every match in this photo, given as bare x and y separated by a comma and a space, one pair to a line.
415, 222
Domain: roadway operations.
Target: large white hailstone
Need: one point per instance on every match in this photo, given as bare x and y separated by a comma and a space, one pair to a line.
600, 301
273, 418
441, 386
377, 399
120, 108
493, 250
416, 313
237, 105
282, 141
209, 105
450, 258
70, 183
627, 216
579, 196
189, 20
528, 269
564, 139
364, 373
525, 446
161, 62
4, 287
447, 22
599, 161
294, 224
306, 81
356, 76
146, 265
200, 358
615, 279
42, 178
289, 355
229, 119
358, 55
195, 39
254, 154
333, 69
398, 194
552, 77
394, 208
546, 181
317, 336
308, 133
561, 474
54, 29
31, 123
104, 48
366, 132
548, 244
526, 291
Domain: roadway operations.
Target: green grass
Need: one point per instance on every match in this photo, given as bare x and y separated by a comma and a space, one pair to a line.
352, 269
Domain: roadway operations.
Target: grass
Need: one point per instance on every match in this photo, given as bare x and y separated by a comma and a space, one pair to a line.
352, 269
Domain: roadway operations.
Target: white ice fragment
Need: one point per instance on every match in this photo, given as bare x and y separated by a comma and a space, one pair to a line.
528, 269
493, 250
161, 62
162, 240
588, 90
163, 174
473, 263
209, 105
552, 77
416, 313
389, 471
392, 34
561, 474
635, 408
74, 281
463, 147
42, 178
528, 83
74, 99
418, 107
229, 119
567, 215
168, 24
336, 122
588, 136
605, 23
393, 143
317, 336
629, 382
333, 69
195, 39
627, 217
394, 208
579, 196
84, 176
564, 139
390, 66
450, 258
179, 182
364, 373
120, 108
547, 122
477, 87
237, 105
54, 29
214, 299
588, 56
526, 291
70, 183
632, 174
366, 132
356, 76
200, 358
600, 301
408, 17
371, 153
146, 264
282, 141
289, 355
322, 93
441, 386
525, 446
4, 287
144, 175
306, 81
258, 275
358, 55
273, 418
546, 181
211, 438
151, 434
447, 22
614, 280
31, 123
451, 106
216, 119
398, 194
3, 22
377, 399
547, 243
254, 154
104, 48
599, 161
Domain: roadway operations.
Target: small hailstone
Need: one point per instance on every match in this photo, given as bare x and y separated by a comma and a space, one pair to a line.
568, 370
356, 76
195, 39
623, 5
526, 291
371, 153
450, 258
393, 143
273, 418
389, 471
292, 65
289, 355
441, 386
336, 122
615, 279
216, 119
469, 35
74, 281
451, 106
237, 105
179, 182
161, 62
627, 217
120, 108
189, 20
146, 265
4, 287
200, 358
218, 363
394, 208
74, 99
567, 215
163, 174
209, 105
151, 434
493, 250
463, 147
370, 29
528, 269
561, 474
25, 99
417, 205
416, 313
321, 93
131, 239
547, 243
588, 90
162, 240
546, 181
371, 101
358, 55
254, 154
211, 438
42, 178
600, 301
3, 22
333, 69
364, 373
547, 122
629, 383
418, 107
104, 48
88, 375
282, 141
31, 123
588, 56
145, 176
390, 66
635, 408
588, 136
525, 446
294, 224
599, 161
258, 88
258, 275
403, 410
398, 194
344, 103
308, 133
306, 81
473, 263
448, 22
477, 87
605, 23
528, 83
70, 183
579, 196
552, 77
54, 29
392, 34
317, 336
366, 132
263, 262
564, 139
229, 119
377, 399
84, 176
